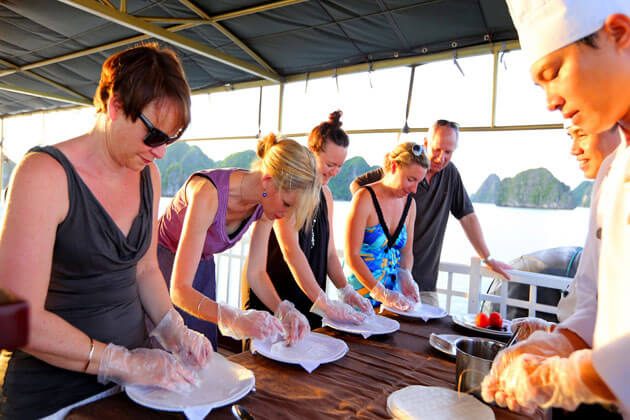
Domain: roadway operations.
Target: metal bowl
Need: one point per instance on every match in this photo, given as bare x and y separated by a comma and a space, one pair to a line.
474, 358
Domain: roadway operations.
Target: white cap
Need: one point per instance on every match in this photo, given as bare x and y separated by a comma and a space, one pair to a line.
547, 25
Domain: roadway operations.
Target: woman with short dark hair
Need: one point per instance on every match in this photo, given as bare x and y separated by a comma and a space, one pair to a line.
79, 244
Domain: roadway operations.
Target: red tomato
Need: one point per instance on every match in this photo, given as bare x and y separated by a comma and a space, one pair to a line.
495, 320
482, 320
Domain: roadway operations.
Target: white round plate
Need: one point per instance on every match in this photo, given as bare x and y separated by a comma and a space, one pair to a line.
444, 343
420, 310
222, 382
417, 402
468, 321
315, 348
373, 325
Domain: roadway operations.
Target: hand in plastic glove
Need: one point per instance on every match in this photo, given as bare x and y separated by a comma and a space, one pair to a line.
190, 347
142, 366
295, 324
540, 344
390, 298
240, 324
408, 286
350, 296
527, 326
335, 310
531, 381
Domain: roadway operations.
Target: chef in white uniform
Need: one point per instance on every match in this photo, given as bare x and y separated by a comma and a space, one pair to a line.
580, 55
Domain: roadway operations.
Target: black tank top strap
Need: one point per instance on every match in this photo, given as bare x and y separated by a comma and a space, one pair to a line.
391, 238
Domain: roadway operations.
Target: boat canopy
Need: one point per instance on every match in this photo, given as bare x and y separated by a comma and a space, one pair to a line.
51, 52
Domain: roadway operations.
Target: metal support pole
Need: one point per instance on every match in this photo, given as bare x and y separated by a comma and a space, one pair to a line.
280, 107
495, 68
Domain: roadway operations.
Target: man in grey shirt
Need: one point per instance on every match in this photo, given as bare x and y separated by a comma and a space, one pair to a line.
440, 193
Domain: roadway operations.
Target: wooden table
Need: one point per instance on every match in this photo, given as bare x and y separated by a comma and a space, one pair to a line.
357, 386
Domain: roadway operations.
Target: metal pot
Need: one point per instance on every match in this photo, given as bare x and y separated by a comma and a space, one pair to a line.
474, 358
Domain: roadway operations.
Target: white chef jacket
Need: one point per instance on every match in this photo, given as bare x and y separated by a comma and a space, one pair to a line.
611, 343
582, 321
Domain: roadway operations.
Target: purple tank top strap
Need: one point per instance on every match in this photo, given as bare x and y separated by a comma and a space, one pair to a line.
217, 238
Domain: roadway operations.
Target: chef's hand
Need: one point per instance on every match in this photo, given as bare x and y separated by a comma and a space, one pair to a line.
527, 326
539, 344
532, 381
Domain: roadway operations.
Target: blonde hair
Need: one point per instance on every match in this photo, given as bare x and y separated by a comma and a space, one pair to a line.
405, 154
292, 168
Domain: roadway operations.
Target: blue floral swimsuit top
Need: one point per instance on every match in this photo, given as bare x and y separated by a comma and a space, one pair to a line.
380, 250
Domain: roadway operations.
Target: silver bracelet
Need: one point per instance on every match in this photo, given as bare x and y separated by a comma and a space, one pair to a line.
90, 354
485, 260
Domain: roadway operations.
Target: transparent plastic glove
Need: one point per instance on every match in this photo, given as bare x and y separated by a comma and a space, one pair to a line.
527, 326
240, 324
143, 366
350, 296
408, 286
295, 324
190, 347
390, 298
336, 310
532, 381
541, 344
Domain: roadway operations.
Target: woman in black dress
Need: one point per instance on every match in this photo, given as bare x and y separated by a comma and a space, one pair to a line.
299, 261
79, 244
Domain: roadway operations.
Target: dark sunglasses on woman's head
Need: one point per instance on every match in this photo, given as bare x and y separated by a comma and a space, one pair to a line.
156, 137
417, 149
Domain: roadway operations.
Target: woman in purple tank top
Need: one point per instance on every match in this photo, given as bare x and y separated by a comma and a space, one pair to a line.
211, 212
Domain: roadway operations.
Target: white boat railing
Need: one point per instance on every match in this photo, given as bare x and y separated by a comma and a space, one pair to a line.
229, 266
475, 295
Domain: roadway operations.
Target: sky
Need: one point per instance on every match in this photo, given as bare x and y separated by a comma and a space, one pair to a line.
369, 101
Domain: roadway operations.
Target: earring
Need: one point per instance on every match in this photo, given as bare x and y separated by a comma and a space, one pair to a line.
264, 194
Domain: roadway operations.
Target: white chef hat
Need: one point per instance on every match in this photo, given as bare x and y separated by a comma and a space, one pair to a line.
547, 25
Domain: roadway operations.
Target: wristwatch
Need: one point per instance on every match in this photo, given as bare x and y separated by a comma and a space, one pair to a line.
485, 260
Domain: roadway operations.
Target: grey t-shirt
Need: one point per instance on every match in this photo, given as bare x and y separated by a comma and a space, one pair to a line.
445, 194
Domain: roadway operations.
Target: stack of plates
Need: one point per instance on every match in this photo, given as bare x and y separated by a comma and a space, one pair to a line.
418, 402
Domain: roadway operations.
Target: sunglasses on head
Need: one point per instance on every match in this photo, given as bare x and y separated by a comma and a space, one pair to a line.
447, 123
156, 137
417, 149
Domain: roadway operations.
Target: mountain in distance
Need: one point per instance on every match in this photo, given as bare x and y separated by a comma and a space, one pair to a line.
489, 190
340, 184
182, 160
533, 188
582, 194
179, 163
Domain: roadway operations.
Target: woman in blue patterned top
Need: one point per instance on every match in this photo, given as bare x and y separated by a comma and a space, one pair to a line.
379, 223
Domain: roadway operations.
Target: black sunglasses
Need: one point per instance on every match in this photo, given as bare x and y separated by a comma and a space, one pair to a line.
156, 137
